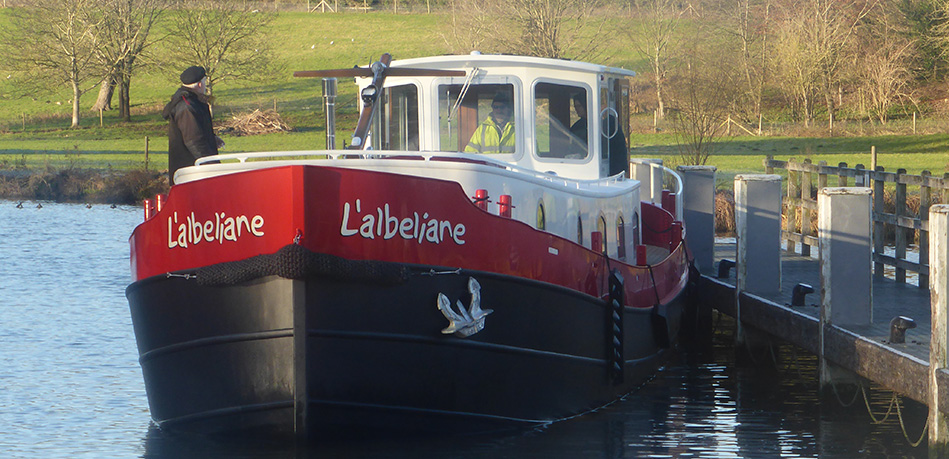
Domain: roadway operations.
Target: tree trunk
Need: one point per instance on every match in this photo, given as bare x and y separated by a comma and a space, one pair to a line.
661, 110
124, 104
76, 94
104, 101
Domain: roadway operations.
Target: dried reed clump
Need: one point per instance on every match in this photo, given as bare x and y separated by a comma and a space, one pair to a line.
83, 185
725, 212
255, 123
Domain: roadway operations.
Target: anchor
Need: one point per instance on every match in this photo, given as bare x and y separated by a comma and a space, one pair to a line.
464, 322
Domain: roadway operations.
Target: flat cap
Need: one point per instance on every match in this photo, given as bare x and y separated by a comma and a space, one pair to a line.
192, 74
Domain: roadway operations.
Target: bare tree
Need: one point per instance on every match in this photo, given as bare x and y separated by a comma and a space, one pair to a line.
654, 39
882, 70
825, 30
53, 43
795, 63
701, 91
470, 26
226, 37
748, 24
545, 28
124, 36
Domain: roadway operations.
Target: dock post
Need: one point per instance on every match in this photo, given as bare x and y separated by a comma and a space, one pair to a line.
698, 211
758, 227
846, 258
651, 178
939, 340
846, 267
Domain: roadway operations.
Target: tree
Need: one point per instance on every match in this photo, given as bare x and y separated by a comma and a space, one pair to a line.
702, 89
796, 67
53, 43
748, 23
825, 29
658, 25
925, 23
544, 28
226, 37
882, 71
124, 36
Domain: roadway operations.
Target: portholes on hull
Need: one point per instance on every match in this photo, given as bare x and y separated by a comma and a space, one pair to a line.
541, 216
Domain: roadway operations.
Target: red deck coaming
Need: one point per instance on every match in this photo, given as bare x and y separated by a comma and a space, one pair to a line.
311, 200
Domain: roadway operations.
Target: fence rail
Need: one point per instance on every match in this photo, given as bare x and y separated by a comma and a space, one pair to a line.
800, 209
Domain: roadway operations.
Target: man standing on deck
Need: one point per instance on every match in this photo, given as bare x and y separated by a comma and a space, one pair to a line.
496, 132
190, 134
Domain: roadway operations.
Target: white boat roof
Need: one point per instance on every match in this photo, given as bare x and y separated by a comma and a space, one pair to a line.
467, 61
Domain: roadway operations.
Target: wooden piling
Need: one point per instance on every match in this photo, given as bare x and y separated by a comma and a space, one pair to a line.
845, 268
939, 340
698, 211
758, 227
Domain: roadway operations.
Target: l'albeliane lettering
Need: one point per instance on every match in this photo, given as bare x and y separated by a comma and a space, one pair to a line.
220, 228
386, 226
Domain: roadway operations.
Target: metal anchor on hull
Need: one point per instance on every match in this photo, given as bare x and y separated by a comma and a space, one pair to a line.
464, 322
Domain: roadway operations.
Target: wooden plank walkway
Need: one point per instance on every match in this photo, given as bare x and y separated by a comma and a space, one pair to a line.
890, 299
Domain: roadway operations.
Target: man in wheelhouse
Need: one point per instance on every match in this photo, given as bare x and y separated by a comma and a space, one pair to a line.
496, 133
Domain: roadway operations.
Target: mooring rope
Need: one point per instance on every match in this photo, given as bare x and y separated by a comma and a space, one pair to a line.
895, 401
840, 400
869, 410
903, 426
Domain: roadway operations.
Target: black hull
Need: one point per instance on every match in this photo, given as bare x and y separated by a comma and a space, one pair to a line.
319, 355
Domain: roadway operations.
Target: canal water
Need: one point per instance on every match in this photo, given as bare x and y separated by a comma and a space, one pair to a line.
71, 386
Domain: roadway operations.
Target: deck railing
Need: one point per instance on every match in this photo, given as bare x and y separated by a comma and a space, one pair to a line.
800, 208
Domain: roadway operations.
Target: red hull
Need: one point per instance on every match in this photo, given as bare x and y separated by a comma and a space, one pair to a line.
365, 215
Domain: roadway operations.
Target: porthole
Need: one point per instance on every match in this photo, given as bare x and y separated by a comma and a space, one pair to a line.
541, 216
601, 227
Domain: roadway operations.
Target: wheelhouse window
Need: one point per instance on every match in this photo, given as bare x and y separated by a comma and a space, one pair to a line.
477, 118
560, 114
397, 121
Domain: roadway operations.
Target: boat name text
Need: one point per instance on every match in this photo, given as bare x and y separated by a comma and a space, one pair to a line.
386, 226
220, 228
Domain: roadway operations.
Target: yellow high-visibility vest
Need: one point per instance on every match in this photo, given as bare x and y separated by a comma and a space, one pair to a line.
492, 138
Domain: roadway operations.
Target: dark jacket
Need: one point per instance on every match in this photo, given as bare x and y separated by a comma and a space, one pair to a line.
190, 134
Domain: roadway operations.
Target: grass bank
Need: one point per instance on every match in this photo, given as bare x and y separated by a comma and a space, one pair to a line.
35, 138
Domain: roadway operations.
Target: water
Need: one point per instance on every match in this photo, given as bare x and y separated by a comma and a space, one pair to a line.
71, 386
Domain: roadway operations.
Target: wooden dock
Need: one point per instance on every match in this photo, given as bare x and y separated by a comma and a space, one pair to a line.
865, 350
859, 323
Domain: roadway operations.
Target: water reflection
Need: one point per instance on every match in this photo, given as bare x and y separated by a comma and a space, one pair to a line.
707, 402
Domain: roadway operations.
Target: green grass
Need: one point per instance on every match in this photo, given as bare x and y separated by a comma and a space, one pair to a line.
34, 129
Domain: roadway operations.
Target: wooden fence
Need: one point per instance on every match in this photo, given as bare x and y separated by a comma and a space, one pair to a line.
800, 208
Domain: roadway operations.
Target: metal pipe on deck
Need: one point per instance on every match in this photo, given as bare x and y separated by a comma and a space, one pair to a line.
329, 107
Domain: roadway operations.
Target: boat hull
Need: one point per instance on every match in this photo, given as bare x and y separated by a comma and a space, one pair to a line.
342, 350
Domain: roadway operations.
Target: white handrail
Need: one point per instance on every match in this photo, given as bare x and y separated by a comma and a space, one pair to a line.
426, 156
675, 175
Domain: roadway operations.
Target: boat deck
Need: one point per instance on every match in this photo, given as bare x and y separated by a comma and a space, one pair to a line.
655, 254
